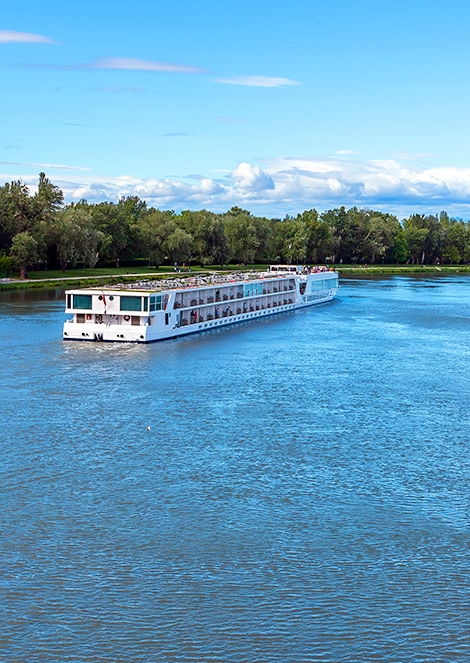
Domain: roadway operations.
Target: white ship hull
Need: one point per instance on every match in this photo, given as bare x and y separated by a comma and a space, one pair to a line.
144, 314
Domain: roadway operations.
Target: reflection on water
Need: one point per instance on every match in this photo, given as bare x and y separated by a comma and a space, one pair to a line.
302, 494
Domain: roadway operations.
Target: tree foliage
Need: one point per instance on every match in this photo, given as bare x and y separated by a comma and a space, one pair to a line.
41, 227
24, 251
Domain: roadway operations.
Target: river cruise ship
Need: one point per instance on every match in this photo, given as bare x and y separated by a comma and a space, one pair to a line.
156, 310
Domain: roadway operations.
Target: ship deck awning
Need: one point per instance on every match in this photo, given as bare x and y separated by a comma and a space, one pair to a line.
190, 283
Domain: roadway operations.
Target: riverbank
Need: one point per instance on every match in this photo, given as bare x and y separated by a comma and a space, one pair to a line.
76, 278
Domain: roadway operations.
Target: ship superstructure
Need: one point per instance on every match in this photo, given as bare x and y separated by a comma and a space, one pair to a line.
156, 310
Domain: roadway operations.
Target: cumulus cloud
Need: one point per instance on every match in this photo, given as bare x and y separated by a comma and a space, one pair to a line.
251, 178
257, 81
10, 37
288, 184
347, 181
210, 187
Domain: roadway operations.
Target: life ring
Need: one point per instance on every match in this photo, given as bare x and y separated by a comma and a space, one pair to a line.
127, 318
88, 316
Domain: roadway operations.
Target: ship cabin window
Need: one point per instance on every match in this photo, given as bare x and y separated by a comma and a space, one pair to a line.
146, 303
156, 303
131, 303
69, 301
252, 289
324, 284
82, 302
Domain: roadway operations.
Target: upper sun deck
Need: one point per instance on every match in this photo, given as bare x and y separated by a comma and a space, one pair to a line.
146, 286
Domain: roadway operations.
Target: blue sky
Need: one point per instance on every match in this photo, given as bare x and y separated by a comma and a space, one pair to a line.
273, 106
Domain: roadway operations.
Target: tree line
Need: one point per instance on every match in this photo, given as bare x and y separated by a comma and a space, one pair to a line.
41, 229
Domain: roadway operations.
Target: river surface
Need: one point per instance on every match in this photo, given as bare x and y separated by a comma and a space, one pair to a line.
303, 494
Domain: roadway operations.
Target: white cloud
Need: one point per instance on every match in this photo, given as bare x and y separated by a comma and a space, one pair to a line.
345, 181
10, 37
345, 152
287, 184
210, 187
127, 64
135, 64
257, 81
251, 178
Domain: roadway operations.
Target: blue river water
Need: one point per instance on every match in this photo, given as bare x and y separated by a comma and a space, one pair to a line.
303, 494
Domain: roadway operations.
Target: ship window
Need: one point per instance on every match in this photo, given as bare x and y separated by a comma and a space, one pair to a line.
252, 289
146, 303
69, 301
156, 303
321, 284
82, 301
131, 303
